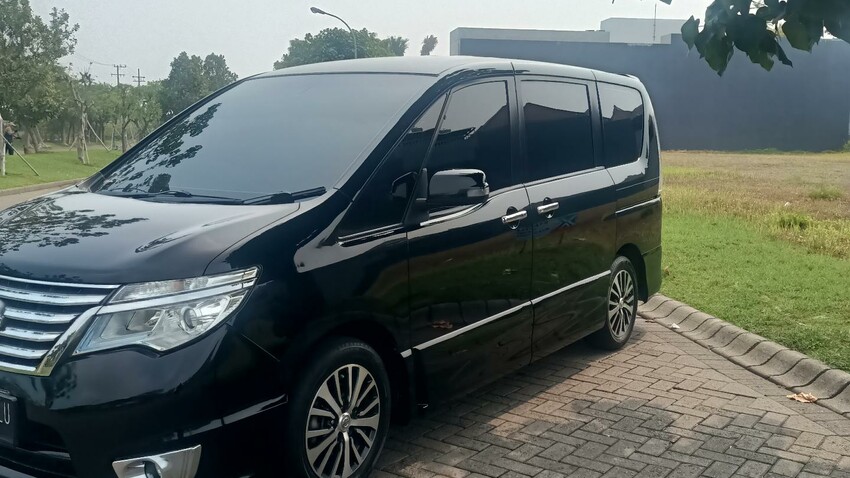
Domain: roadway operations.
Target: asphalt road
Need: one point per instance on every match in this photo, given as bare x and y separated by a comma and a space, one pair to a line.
11, 200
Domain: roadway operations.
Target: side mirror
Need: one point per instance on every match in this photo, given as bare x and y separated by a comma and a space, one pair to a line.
457, 187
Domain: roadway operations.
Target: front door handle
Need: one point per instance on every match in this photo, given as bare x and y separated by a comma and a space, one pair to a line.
547, 208
514, 217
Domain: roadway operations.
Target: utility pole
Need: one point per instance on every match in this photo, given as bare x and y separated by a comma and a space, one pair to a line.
118, 73
122, 118
655, 25
138, 77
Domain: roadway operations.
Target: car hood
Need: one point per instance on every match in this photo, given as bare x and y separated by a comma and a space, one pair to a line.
77, 236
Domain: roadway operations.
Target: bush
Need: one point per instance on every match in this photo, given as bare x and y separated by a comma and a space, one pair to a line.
793, 220
825, 192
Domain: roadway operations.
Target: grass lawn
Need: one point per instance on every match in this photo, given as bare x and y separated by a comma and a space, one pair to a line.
763, 241
55, 165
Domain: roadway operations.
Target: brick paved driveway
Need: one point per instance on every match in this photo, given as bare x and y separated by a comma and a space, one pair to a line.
661, 407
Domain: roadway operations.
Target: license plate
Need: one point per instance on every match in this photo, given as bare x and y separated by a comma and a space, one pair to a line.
8, 419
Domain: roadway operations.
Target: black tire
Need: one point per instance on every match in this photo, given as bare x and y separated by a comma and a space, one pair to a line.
621, 308
346, 359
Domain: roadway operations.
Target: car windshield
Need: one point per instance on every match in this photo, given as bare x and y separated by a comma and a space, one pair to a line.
267, 136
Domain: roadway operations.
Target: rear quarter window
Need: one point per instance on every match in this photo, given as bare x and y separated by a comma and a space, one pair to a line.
622, 123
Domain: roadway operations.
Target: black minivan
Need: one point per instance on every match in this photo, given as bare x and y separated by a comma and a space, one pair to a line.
263, 284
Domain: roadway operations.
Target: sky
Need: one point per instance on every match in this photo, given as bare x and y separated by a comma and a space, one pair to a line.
146, 35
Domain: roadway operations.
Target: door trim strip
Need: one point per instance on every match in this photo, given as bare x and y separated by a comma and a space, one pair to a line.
571, 286
644, 204
465, 329
451, 335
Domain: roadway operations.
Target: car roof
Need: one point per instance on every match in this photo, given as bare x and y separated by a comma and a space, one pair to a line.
422, 65
438, 66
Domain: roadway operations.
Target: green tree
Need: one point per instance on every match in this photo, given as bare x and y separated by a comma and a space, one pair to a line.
149, 113
396, 45
756, 28
336, 44
428, 45
185, 84
30, 78
216, 72
191, 78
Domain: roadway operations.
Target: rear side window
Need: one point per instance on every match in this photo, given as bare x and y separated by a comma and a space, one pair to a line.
622, 123
476, 134
558, 131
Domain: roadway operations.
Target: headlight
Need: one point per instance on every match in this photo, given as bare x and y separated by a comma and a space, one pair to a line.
163, 315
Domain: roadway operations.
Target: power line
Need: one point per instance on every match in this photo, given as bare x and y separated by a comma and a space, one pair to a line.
91, 61
138, 77
118, 73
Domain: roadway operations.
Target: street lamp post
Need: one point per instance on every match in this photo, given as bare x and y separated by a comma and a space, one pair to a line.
319, 11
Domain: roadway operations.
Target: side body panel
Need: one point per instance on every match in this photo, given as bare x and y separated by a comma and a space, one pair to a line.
470, 310
574, 231
470, 276
638, 194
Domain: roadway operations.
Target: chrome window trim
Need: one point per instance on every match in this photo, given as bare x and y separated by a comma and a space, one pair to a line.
452, 216
407, 353
644, 204
370, 234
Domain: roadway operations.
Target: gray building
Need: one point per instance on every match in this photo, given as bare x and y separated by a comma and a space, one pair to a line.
806, 107
640, 30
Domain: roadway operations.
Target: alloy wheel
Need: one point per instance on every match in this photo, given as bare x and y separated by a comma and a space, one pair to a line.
621, 305
343, 422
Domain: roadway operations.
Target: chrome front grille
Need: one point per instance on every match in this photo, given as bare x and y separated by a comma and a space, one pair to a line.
36, 317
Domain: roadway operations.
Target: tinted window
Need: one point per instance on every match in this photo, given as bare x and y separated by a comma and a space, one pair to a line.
476, 134
622, 123
384, 199
266, 135
558, 131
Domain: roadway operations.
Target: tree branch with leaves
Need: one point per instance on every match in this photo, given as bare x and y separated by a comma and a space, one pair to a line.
757, 27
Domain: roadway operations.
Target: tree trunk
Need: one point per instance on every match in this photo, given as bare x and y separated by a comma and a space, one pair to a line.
82, 148
124, 140
39, 141
27, 137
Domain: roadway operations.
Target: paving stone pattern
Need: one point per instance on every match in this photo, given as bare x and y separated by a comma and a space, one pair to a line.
663, 406
787, 368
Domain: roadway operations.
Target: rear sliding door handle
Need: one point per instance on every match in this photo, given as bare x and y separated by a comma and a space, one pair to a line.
547, 208
514, 217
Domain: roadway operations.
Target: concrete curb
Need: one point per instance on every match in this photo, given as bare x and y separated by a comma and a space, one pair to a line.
787, 368
38, 187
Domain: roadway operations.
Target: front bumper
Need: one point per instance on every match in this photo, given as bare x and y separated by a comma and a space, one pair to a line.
93, 410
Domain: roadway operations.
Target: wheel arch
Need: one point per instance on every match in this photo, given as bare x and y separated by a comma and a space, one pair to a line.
633, 254
381, 339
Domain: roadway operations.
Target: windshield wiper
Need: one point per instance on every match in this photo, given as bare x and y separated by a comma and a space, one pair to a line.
286, 197
138, 193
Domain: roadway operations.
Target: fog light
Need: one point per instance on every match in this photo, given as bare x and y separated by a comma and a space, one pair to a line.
151, 471
175, 464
